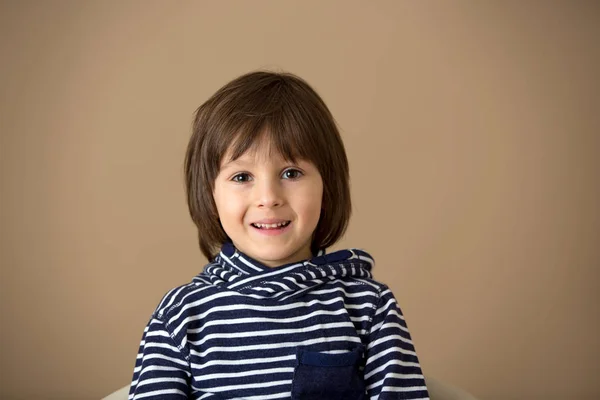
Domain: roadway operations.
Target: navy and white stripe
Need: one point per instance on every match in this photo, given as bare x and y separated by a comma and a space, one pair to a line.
234, 332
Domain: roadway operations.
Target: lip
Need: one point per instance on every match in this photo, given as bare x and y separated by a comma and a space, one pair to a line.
270, 221
271, 232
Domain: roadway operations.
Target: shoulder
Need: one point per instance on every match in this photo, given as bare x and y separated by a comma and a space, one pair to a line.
177, 297
368, 261
359, 265
373, 285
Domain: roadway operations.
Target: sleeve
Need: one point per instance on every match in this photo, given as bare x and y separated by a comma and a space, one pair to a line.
392, 369
161, 369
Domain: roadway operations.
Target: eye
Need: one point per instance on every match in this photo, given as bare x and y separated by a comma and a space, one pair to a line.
292, 173
242, 177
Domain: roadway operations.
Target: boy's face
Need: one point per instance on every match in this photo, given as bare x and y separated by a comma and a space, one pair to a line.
269, 207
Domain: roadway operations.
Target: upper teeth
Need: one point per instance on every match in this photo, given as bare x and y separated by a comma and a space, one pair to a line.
270, 226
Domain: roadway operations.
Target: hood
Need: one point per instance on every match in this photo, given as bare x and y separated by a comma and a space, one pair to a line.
233, 270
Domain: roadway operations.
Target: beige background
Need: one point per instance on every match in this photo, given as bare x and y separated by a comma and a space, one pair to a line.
473, 132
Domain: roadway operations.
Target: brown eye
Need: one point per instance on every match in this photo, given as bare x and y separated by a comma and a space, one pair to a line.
241, 178
292, 173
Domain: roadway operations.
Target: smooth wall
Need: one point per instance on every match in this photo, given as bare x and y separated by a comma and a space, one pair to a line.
473, 132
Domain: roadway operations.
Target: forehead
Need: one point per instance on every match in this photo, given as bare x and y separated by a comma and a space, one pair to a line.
263, 153
260, 148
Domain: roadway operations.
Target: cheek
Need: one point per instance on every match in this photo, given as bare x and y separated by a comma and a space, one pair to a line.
231, 209
230, 205
312, 203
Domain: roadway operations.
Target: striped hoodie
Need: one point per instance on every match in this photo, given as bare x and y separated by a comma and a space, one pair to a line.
318, 329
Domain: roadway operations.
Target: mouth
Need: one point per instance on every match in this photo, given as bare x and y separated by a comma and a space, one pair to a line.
271, 226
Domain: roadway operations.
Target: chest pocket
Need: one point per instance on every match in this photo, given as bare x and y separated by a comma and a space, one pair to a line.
322, 376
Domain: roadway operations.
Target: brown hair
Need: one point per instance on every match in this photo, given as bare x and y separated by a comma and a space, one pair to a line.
285, 110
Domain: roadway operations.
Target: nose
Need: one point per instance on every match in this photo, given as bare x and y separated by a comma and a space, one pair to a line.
268, 193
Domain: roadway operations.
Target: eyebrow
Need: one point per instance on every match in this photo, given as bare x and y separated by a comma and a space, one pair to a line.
247, 163
237, 162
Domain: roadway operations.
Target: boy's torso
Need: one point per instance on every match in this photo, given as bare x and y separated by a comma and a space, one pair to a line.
239, 346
